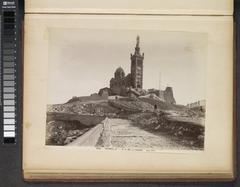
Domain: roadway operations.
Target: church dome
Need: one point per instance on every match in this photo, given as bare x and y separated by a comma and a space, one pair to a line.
119, 73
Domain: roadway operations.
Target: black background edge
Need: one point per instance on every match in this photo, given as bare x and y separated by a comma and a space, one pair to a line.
11, 156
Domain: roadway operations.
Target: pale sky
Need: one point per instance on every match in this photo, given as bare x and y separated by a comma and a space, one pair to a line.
82, 61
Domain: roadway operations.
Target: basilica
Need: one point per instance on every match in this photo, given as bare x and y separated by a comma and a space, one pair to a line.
121, 84
132, 83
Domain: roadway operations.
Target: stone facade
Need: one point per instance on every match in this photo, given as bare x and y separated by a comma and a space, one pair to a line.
121, 84
165, 95
197, 104
137, 67
168, 95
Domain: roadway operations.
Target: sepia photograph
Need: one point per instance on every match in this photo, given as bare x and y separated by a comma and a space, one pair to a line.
136, 90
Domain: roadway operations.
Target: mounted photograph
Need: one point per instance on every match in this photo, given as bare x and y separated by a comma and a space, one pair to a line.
126, 89
128, 97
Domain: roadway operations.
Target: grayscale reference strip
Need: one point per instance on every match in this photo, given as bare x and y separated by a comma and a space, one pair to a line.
8, 71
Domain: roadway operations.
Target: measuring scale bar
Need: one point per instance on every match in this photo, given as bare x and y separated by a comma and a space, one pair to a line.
9, 75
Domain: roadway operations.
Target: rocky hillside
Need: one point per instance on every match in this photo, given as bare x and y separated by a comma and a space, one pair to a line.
185, 132
131, 105
148, 113
91, 107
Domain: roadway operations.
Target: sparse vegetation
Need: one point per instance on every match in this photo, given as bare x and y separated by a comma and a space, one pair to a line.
184, 132
153, 115
63, 132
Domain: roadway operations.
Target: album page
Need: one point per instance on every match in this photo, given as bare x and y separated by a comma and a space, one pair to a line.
128, 97
170, 7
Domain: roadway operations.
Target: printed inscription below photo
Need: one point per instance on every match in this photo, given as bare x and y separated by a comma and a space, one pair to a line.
126, 89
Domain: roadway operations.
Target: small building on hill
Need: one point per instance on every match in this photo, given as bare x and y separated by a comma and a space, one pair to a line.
104, 92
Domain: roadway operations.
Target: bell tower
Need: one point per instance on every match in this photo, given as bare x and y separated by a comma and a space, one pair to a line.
137, 67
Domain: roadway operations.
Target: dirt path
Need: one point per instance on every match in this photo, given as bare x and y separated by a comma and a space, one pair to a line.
119, 133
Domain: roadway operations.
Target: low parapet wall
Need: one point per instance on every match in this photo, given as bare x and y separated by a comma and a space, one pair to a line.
85, 119
90, 138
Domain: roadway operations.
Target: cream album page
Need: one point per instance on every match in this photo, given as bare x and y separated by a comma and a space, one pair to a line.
129, 96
